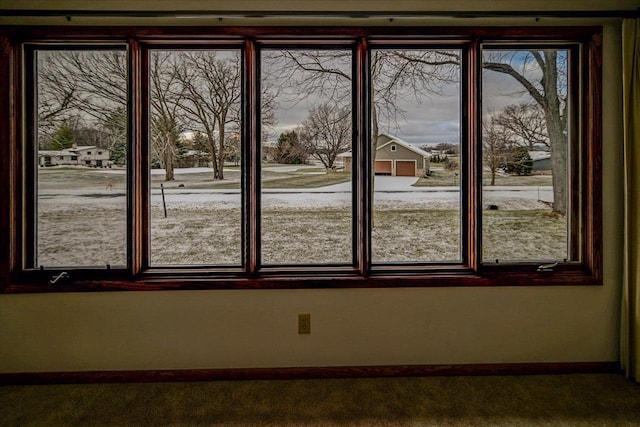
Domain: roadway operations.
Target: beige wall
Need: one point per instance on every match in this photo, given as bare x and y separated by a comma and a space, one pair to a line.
257, 328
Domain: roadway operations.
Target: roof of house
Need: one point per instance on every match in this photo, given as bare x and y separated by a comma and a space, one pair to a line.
69, 151
398, 141
393, 140
57, 153
539, 155
196, 153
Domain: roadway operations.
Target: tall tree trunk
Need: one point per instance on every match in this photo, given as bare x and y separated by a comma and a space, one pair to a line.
556, 128
558, 142
214, 157
374, 145
168, 164
221, 153
374, 135
556, 132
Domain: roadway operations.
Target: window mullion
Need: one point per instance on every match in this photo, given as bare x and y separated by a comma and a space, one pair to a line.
575, 167
137, 162
472, 155
10, 104
28, 155
251, 158
592, 244
362, 170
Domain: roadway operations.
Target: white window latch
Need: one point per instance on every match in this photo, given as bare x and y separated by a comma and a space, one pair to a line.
59, 278
547, 267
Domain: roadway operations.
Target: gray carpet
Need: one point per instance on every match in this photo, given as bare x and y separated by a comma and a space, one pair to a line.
540, 400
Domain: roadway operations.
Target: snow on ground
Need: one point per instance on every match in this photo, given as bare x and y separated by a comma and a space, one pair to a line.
87, 225
279, 200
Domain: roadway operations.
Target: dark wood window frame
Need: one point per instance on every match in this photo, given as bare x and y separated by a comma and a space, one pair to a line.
15, 179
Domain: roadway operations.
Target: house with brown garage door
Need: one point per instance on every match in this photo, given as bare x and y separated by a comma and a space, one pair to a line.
395, 157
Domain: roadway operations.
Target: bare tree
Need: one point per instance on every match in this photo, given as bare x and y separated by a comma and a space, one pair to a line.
497, 141
395, 75
94, 82
56, 94
398, 74
294, 75
166, 115
327, 132
542, 74
527, 123
213, 93
88, 88
407, 74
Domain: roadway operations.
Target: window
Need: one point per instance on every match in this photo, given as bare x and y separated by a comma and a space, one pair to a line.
195, 156
71, 224
307, 124
417, 102
314, 157
527, 141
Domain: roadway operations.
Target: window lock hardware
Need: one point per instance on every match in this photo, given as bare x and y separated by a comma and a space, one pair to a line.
547, 267
56, 279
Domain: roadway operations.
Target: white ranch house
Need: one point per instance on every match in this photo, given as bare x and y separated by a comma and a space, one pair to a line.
395, 157
86, 155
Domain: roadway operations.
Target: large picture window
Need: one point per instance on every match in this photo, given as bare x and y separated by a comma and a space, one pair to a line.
270, 158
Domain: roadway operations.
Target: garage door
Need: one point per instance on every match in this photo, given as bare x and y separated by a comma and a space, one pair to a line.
405, 168
383, 167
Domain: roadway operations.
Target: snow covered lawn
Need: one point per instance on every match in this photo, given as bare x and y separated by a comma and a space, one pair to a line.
207, 233
83, 223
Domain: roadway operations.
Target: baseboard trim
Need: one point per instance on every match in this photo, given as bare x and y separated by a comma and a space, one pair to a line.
24, 378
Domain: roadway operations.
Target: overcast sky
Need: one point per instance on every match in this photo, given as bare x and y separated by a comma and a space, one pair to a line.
432, 118
428, 120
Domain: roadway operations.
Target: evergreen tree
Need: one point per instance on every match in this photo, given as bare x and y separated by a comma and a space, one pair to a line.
63, 138
519, 161
115, 136
289, 150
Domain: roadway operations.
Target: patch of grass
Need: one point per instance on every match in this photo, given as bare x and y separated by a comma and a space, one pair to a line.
206, 233
78, 177
199, 180
441, 177
306, 236
89, 178
415, 235
311, 170
515, 180
524, 235
308, 180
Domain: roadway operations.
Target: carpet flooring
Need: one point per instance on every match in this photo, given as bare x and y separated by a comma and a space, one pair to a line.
538, 400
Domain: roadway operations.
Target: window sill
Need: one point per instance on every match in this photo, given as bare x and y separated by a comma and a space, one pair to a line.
503, 276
